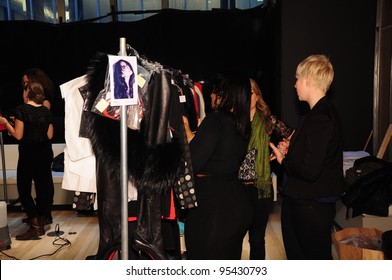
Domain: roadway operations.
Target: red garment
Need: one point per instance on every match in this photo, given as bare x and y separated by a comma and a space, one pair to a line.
172, 214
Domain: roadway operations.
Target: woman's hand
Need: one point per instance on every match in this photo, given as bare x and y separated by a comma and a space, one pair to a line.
283, 146
3, 120
276, 153
188, 131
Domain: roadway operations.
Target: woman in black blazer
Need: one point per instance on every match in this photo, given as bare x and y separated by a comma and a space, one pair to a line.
313, 165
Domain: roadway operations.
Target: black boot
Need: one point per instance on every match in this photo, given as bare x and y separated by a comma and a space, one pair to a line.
109, 212
36, 229
147, 237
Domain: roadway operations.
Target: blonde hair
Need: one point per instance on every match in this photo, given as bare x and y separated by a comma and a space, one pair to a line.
262, 107
318, 68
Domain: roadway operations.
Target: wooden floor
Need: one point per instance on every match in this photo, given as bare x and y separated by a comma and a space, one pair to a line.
82, 233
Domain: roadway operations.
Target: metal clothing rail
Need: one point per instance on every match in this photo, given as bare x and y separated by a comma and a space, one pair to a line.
3, 167
124, 169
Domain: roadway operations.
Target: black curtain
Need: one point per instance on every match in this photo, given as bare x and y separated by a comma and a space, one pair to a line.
197, 43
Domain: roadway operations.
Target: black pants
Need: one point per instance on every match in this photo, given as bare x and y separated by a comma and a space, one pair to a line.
216, 228
261, 210
34, 164
307, 229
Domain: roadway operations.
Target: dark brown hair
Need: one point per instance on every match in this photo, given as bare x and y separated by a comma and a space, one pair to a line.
39, 76
35, 92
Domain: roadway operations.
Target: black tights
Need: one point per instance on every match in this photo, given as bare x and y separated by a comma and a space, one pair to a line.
35, 165
261, 210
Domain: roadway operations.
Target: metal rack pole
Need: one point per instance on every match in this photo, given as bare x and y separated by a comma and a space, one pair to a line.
124, 170
3, 167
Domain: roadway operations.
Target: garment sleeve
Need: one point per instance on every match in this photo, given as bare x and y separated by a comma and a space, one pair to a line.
203, 144
316, 139
280, 128
19, 115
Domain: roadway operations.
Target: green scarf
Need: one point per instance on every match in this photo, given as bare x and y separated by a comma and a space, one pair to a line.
259, 139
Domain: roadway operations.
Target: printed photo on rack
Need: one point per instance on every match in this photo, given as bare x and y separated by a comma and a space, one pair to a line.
123, 86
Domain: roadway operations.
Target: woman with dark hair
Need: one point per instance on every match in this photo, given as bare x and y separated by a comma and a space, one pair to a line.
124, 78
216, 227
39, 76
34, 131
218, 83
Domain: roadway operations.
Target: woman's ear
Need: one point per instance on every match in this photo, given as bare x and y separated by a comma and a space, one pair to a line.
308, 81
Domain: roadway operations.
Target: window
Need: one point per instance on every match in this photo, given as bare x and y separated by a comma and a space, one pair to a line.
45, 10
54, 11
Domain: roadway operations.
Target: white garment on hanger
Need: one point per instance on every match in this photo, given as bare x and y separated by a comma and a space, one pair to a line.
79, 159
79, 175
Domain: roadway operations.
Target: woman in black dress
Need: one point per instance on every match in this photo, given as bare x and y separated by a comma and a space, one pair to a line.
34, 131
216, 228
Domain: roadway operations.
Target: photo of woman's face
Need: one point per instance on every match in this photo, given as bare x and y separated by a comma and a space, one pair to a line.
125, 69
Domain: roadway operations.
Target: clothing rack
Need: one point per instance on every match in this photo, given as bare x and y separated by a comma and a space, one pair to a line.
5, 187
127, 50
124, 169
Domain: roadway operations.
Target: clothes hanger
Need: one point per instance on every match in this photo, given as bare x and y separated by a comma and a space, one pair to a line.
143, 61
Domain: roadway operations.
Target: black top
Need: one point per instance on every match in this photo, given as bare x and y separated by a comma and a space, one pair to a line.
280, 129
314, 162
36, 121
217, 148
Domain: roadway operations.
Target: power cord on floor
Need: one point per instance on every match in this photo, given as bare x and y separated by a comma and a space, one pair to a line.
58, 241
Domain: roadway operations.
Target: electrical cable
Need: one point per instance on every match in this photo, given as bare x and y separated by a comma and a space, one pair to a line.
58, 241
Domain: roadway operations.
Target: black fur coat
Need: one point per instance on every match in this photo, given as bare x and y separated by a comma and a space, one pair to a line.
154, 158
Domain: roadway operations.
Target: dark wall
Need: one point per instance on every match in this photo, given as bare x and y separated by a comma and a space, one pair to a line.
197, 43
201, 43
345, 31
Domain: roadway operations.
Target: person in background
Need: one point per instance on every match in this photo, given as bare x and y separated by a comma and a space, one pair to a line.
260, 191
216, 227
39, 76
34, 131
314, 166
218, 83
